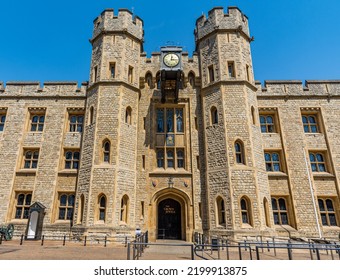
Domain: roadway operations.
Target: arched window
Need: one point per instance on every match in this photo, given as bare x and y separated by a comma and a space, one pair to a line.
102, 208
124, 209
128, 115
266, 211
220, 211
239, 152
91, 118
327, 212
280, 212
72, 160
317, 162
191, 79
148, 80
106, 151
66, 206
310, 124
31, 159
245, 211
214, 115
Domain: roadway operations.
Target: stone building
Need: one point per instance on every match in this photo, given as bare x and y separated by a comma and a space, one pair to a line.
170, 143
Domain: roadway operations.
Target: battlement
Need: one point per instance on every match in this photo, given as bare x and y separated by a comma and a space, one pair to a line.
295, 88
125, 22
48, 89
218, 20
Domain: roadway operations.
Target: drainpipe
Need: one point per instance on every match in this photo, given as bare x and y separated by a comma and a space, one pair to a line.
312, 193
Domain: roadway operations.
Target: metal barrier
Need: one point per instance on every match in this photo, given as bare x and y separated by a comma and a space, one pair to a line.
204, 249
139, 244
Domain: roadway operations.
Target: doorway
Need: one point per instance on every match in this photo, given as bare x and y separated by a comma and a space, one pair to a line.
169, 220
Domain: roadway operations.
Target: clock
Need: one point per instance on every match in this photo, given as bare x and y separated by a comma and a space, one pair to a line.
171, 59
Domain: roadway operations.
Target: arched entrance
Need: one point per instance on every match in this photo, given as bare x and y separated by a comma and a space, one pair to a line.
169, 219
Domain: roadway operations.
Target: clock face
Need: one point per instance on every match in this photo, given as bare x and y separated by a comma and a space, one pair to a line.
171, 60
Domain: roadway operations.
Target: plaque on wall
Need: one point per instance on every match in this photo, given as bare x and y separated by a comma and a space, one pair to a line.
170, 140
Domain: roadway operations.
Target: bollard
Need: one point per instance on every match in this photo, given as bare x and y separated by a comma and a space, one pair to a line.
128, 251
257, 253
64, 241
289, 251
227, 249
192, 252
317, 254
22, 239
239, 252
85, 240
42, 240
126, 241
105, 241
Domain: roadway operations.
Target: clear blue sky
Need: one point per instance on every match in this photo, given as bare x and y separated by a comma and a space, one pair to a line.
48, 40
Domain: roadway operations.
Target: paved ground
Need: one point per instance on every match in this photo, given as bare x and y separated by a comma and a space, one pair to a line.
161, 250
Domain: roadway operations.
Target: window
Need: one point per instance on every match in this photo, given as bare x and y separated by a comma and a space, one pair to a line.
128, 114
239, 152
91, 118
267, 123
124, 209
95, 73
253, 115
112, 70
2, 122
66, 206
317, 161
148, 79
130, 74
280, 212
72, 159
23, 203
180, 158
102, 208
327, 212
310, 124
191, 79
143, 162
37, 122
31, 159
106, 151
198, 162
211, 74
160, 158
169, 130
245, 211
214, 115
220, 211
231, 70
248, 72
76, 123
272, 160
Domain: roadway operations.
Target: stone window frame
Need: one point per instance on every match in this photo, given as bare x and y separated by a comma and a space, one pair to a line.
213, 115
24, 207
106, 151
30, 162
191, 79
246, 211
124, 209
211, 74
149, 80
91, 116
220, 211
130, 74
320, 163
37, 120
269, 127
272, 162
178, 128
279, 210
112, 71
239, 152
128, 115
102, 208
327, 211
73, 161
68, 207
231, 69
76, 125
307, 124
3, 116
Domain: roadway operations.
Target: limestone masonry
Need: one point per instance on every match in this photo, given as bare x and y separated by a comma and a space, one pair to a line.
171, 144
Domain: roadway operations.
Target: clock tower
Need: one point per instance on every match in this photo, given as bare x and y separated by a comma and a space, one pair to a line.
171, 72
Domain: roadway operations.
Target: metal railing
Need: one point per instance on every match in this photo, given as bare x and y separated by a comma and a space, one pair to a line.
138, 246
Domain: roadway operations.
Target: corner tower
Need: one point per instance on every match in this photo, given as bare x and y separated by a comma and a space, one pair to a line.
106, 191
237, 184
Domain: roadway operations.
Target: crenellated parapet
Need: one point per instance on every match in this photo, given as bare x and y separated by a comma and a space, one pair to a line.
296, 88
217, 20
124, 22
47, 89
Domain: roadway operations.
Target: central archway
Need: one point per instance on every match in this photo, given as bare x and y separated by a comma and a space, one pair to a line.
169, 219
